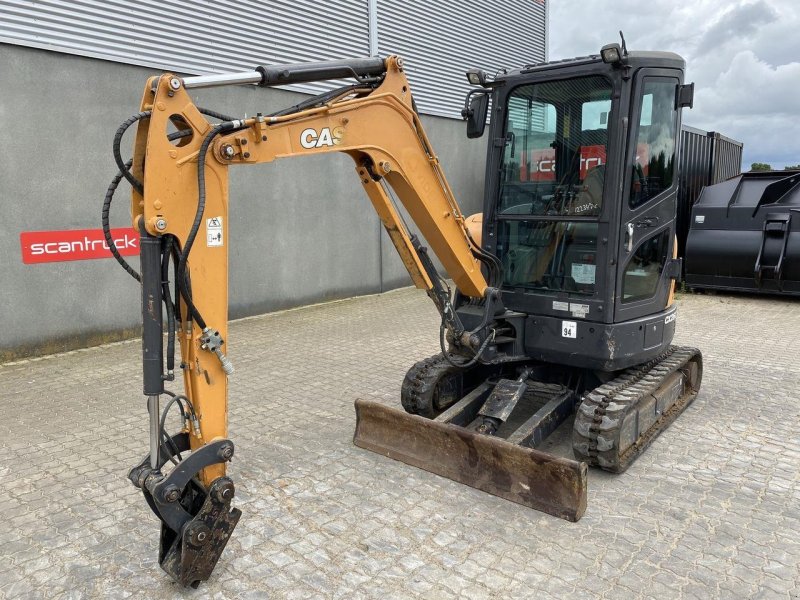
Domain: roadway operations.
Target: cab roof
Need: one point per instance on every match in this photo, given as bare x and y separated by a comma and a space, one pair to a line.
635, 59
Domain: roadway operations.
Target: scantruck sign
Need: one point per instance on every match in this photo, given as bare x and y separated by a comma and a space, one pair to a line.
75, 244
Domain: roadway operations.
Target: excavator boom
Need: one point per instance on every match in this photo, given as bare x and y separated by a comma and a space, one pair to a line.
180, 205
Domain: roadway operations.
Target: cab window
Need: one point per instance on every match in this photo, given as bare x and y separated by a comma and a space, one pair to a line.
653, 166
555, 148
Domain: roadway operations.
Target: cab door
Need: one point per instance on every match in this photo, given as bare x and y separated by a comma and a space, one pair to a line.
649, 199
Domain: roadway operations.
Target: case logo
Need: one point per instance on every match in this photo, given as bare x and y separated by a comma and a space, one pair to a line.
311, 138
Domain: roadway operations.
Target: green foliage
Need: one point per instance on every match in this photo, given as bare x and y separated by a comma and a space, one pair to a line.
792, 168
758, 166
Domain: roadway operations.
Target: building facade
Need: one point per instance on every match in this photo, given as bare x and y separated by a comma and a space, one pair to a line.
72, 70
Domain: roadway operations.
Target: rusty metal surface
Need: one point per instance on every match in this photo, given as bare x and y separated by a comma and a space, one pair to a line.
547, 483
192, 556
545, 420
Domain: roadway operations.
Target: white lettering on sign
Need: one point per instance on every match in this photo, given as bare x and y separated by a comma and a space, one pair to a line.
569, 329
311, 138
85, 245
670, 318
214, 231
75, 244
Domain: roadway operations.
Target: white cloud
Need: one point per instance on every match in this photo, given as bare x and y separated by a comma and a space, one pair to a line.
744, 57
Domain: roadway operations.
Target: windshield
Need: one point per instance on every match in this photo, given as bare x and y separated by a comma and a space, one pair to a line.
555, 152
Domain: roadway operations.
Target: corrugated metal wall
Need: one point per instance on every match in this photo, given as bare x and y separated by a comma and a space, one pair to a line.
440, 40
706, 158
192, 36
727, 158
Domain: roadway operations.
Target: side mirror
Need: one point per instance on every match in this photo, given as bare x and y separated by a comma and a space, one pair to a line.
475, 115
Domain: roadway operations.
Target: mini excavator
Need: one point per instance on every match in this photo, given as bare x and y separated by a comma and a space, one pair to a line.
563, 299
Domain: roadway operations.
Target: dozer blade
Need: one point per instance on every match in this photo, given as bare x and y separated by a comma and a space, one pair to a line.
541, 481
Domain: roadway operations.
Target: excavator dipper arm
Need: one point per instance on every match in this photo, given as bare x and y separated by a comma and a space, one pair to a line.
180, 206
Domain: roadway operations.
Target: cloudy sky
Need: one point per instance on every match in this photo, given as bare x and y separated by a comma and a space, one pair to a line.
743, 55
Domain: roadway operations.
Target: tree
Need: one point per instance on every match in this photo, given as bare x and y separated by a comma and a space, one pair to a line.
758, 166
791, 168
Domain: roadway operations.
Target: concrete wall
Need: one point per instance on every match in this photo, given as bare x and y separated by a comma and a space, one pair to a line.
301, 230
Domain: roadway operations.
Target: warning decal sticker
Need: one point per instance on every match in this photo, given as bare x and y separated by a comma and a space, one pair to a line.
214, 231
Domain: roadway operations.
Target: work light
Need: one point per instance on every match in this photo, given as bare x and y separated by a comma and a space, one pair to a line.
611, 53
476, 77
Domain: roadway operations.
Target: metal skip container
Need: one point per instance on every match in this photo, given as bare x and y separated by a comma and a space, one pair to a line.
744, 235
706, 158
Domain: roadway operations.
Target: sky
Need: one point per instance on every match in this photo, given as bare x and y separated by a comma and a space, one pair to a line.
743, 56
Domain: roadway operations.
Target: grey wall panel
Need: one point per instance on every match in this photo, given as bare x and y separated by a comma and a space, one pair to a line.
192, 36
441, 40
301, 230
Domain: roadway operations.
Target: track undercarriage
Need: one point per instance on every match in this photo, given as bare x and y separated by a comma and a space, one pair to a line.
488, 426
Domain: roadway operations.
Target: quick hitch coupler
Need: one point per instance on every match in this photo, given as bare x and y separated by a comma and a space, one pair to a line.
196, 523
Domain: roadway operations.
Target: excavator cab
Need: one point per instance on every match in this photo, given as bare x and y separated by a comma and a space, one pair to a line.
580, 205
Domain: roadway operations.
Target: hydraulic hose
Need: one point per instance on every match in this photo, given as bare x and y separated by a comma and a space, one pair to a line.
449, 359
198, 219
107, 227
137, 185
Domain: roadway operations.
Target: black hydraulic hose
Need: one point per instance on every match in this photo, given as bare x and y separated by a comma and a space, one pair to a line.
198, 219
107, 227
112, 188
137, 185
176, 257
315, 100
449, 359
162, 427
214, 114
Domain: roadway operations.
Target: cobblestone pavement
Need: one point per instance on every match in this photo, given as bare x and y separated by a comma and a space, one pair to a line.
711, 510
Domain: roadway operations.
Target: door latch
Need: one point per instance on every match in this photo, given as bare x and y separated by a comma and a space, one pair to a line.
629, 237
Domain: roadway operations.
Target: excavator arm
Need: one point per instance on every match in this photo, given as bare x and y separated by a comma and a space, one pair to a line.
180, 206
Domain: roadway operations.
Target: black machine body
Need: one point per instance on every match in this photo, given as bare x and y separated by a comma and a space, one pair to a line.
580, 204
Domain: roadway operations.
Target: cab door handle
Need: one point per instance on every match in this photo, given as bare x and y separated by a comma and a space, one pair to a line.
629, 237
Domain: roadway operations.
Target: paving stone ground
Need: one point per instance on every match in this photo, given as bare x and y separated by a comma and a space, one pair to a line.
711, 510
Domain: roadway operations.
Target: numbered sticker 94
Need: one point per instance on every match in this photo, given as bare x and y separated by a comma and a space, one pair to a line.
569, 329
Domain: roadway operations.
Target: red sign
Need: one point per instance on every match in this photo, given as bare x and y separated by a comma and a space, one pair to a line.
75, 244
543, 162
